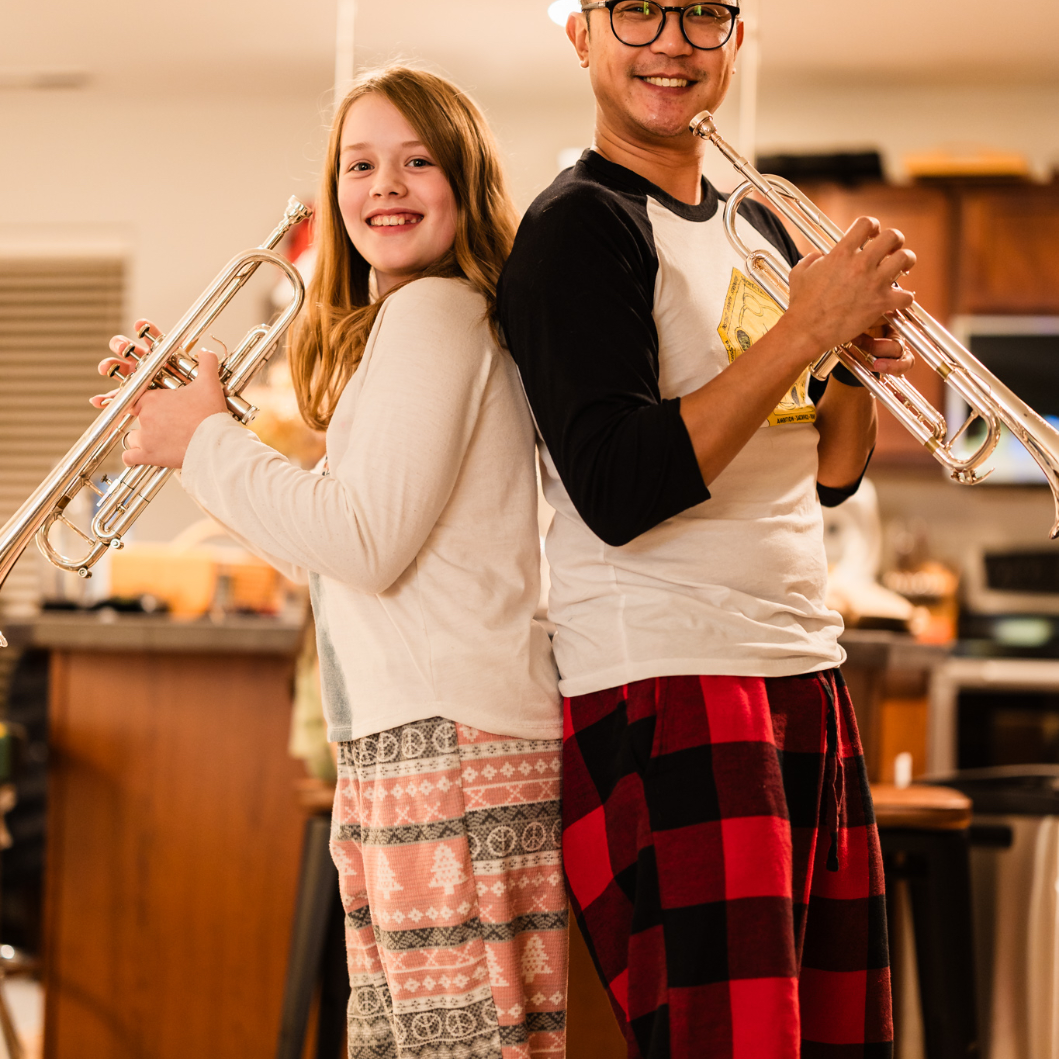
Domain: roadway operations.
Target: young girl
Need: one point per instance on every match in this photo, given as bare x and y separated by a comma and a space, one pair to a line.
420, 544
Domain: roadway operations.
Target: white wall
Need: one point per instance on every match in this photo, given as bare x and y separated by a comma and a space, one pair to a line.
182, 182
901, 118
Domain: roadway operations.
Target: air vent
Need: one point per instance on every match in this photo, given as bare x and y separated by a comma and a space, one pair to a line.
56, 317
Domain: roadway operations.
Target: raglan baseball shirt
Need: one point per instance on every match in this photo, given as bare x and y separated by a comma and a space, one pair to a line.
617, 300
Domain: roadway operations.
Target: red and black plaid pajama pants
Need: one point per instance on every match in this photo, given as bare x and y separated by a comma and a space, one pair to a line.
724, 866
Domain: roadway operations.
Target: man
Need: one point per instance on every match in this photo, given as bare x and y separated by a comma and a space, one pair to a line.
719, 841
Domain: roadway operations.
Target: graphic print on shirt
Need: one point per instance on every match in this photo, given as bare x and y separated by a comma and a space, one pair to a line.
749, 314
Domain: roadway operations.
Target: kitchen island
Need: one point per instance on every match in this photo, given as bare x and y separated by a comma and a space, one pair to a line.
174, 836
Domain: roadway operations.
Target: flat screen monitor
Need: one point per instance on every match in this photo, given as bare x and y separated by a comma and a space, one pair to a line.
1023, 352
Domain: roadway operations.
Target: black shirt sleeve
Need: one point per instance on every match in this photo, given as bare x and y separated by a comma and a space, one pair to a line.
575, 306
831, 497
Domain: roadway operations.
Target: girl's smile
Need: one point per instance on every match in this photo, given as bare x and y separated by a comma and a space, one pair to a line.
397, 205
393, 219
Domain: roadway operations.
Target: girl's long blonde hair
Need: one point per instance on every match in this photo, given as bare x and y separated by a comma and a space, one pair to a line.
329, 340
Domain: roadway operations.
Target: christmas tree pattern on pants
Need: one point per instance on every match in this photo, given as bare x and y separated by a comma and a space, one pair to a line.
455, 840
448, 872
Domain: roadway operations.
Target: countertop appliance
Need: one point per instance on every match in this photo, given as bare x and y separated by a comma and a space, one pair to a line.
995, 702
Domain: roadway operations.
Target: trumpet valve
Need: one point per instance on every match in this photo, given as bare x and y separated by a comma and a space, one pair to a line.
147, 338
184, 365
242, 409
129, 353
823, 367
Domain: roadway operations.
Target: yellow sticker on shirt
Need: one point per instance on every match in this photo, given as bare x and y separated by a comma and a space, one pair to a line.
749, 314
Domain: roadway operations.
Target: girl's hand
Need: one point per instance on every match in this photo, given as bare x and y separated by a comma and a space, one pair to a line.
121, 363
168, 418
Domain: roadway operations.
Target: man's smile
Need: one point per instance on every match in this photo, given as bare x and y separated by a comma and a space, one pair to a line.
667, 82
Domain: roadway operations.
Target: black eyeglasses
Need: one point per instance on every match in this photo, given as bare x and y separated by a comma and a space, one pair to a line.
638, 23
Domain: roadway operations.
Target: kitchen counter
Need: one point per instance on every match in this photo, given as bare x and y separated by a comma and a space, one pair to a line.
875, 649
107, 630
249, 634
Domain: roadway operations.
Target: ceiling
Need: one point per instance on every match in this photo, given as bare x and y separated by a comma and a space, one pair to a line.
969, 41
507, 46
514, 42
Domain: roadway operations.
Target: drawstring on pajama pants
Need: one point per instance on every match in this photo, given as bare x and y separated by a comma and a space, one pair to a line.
833, 790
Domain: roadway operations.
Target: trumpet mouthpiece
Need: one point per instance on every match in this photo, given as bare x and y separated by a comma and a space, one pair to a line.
703, 125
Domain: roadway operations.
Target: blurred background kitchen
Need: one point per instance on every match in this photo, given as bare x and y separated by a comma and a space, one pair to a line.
165, 889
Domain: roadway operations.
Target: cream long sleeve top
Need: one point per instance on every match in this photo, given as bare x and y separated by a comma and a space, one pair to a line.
420, 541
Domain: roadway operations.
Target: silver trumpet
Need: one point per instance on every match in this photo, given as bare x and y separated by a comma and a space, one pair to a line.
988, 399
169, 363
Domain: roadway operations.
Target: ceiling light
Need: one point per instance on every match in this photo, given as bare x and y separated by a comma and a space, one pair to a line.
561, 10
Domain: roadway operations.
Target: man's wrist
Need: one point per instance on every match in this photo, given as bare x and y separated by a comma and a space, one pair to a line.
797, 342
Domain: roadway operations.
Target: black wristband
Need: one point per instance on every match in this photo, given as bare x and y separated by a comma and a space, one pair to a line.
845, 376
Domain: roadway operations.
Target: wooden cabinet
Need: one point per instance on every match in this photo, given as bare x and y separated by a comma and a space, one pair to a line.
925, 216
173, 852
888, 675
1009, 250
591, 1027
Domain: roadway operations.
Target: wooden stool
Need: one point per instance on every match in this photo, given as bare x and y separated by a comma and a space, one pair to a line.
924, 836
318, 939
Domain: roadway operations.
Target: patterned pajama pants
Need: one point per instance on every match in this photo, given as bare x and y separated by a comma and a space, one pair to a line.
447, 842
721, 850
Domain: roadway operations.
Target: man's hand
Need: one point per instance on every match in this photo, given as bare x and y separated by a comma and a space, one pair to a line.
835, 298
888, 353
839, 295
